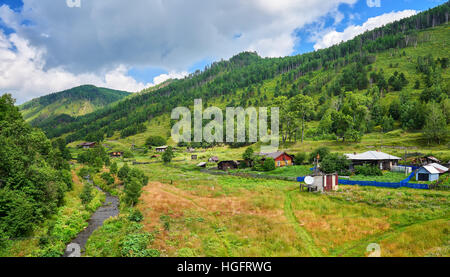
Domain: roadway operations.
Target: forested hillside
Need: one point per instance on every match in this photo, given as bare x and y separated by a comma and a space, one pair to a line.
74, 102
34, 174
392, 77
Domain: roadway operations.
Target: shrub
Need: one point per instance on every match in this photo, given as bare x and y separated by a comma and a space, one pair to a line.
269, 164
123, 172
108, 178
168, 155
248, 154
299, 158
322, 151
17, 213
113, 168
155, 141
135, 245
334, 163
132, 191
136, 216
86, 195
368, 170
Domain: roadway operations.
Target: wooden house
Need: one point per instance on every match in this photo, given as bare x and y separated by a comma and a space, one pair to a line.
87, 145
161, 149
116, 154
281, 158
376, 158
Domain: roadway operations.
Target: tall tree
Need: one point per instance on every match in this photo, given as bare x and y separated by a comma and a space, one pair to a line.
435, 124
302, 107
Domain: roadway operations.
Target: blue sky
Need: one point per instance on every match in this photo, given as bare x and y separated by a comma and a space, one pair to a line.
114, 44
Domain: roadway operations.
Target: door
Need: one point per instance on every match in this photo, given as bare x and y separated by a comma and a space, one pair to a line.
423, 177
329, 183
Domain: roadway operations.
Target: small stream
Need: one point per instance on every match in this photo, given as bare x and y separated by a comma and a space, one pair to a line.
109, 209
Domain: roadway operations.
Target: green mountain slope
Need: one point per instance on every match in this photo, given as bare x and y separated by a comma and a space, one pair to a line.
74, 102
379, 81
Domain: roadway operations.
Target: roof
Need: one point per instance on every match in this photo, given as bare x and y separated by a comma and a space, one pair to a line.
433, 159
214, 158
86, 144
273, 155
440, 168
162, 147
201, 164
372, 155
430, 169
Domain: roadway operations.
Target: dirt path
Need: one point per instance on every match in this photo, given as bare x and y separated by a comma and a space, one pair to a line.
303, 235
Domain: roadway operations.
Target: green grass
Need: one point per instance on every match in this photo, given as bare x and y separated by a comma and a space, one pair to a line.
233, 216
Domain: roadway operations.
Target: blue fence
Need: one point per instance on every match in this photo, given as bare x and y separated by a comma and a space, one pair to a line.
404, 183
384, 184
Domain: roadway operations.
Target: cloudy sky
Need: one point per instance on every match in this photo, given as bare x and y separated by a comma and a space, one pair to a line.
52, 45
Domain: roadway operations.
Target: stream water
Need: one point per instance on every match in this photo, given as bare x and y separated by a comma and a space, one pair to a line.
109, 209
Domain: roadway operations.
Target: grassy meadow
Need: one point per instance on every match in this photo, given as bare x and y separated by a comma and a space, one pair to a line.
191, 213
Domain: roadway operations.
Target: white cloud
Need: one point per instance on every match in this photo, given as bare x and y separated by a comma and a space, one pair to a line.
171, 75
374, 3
332, 37
22, 73
97, 42
171, 34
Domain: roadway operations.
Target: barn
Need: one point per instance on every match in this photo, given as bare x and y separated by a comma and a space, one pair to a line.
281, 158
427, 173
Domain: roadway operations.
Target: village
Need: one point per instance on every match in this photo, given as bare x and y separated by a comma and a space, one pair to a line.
418, 171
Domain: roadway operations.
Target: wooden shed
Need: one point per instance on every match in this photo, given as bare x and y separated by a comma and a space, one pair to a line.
326, 182
87, 145
227, 165
427, 173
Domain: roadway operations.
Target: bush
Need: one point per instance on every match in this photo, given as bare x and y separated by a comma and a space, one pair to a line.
322, 151
299, 158
155, 141
248, 154
368, 170
17, 213
113, 168
135, 245
334, 163
108, 178
123, 172
136, 216
168, 155
269, 164
86, 195
132, 191
84, 172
